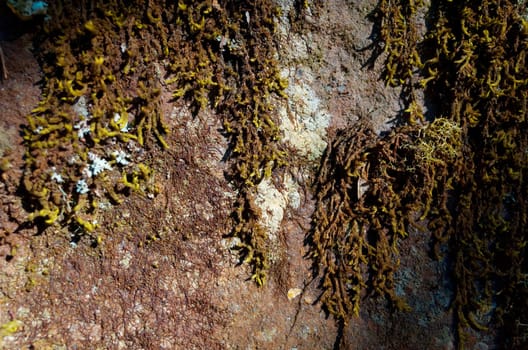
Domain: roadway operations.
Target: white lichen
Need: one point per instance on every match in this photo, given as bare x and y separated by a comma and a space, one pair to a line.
82, 128
97, 165
81, 187
56, 176
121, 157
304, 123
80, 108
272, 202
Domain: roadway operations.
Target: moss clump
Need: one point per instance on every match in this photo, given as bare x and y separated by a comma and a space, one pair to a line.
109, 66
463, 173
100, 105
225, 59
368, 193
399, 41
481, 69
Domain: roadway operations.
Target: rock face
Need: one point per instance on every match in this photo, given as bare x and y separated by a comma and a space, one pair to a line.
152, 262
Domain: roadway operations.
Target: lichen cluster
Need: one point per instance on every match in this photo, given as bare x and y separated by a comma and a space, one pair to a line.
400, 38
101, 101
477, 61
228, 57
461, 174
109, 66
369, 192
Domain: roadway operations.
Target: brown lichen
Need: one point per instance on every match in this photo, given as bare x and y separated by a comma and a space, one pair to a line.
463, 173
107, 65
369, 192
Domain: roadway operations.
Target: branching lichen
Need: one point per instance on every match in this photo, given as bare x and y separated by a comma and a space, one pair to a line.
369, 192
463, 173
107, 65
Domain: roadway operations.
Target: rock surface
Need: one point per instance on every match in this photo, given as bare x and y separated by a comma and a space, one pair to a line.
164, 276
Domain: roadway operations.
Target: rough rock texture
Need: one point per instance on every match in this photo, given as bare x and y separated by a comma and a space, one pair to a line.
163, 275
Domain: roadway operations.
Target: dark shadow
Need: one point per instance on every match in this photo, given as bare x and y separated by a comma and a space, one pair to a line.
339, 341
12, 27
376, 46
